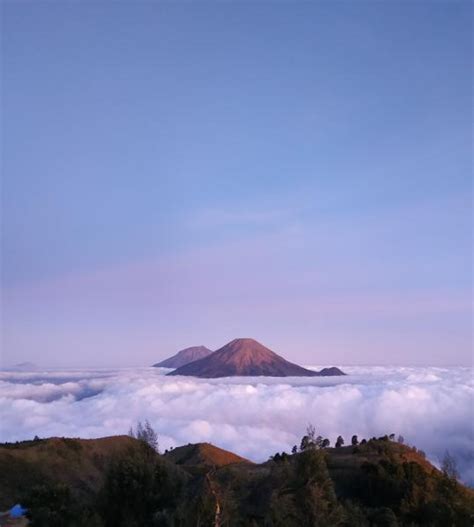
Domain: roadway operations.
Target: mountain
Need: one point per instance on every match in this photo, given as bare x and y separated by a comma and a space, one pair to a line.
329, 372
184, 357
247, 357
203, 454
121, 481
23, 366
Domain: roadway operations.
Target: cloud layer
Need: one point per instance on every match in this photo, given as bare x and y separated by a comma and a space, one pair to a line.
254, 417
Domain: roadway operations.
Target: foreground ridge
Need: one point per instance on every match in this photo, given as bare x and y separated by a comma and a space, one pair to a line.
121, 481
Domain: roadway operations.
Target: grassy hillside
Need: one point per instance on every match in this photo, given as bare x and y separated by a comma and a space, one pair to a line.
78, 463
120, 481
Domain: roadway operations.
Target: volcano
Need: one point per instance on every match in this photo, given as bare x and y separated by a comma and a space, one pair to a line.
247, 357
184, 357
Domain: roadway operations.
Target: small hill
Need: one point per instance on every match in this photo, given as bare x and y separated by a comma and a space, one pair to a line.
184, 357
203, 454
329, 372
247, 357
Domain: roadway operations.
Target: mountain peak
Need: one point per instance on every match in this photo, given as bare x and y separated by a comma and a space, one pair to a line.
244, 341
246, 357
183, 357
203, 454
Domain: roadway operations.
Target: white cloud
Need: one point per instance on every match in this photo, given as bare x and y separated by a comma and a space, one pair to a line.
254, 417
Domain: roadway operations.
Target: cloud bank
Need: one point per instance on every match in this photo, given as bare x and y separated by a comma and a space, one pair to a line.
254, 417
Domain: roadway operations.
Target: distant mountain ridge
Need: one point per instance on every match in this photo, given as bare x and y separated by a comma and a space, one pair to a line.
247, 357
184, 357
23, 366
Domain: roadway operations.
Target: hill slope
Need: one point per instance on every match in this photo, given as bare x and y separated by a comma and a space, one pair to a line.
120, 482
78, 463
184, 357
247, 357
203, 454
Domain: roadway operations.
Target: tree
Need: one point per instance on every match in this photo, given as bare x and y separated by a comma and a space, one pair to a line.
294, 449
145, 433
52, 505
310, 440
313, 491
339, 441
318, 443
137, 487
449, 466
305, 443
325, 443
307, 439
354, 440
392, 437
311, 432
384, 517
401, 439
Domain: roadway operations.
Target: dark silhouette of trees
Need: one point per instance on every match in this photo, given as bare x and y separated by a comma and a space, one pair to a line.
449, 466
139, 487
339, 441
305, 443
384, 517
314, 496
354, 440
311, 440
145, 432
53, 505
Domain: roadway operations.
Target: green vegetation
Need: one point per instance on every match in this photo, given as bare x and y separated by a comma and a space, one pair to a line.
124, 482
53, 505
147, 490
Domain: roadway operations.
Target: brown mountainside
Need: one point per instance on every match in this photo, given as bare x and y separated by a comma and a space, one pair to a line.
203, 454
184, 357
247, 357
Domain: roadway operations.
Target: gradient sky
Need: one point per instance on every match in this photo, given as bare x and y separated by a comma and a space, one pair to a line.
181, 174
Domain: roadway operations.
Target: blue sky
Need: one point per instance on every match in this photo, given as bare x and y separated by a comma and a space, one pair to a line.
179, 174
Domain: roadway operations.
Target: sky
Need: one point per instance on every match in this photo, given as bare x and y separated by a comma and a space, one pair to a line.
178, 174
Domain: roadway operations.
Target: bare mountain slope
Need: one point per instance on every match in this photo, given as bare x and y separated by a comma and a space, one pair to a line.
203, 454
184, 357
247, 357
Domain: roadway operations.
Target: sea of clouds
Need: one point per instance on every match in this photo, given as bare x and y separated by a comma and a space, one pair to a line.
254, 417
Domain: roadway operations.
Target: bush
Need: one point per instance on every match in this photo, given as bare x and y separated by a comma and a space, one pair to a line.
52, 505
143, 485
